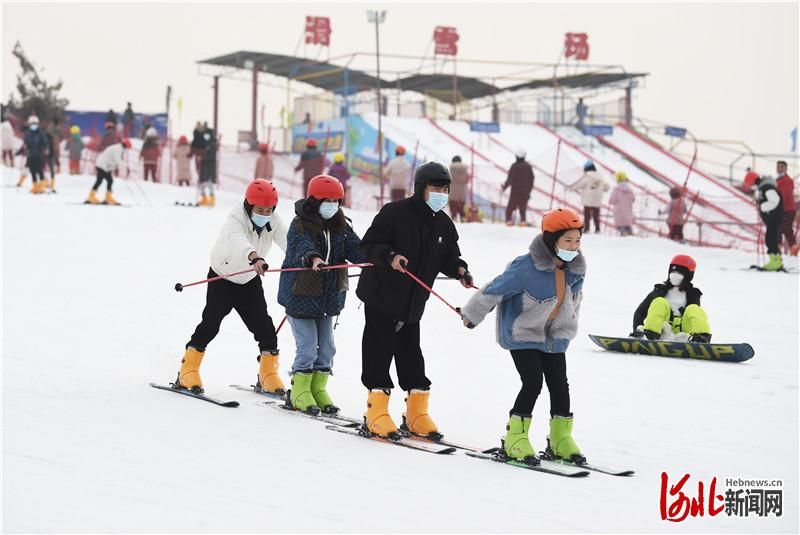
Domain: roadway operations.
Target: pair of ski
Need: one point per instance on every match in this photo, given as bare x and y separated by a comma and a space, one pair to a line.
355, 427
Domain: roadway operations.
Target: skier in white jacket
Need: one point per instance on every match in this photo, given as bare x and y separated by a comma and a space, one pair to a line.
108, 162
244, 241
592, 188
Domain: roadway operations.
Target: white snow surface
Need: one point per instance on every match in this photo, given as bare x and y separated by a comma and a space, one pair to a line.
90, 317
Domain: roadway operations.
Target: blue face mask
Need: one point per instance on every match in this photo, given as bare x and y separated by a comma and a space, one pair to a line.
34, 127
566, 256
260, 220
328, 209
436, 201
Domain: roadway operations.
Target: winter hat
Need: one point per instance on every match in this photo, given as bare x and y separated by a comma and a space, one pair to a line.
182, 140
589, 166
432, 173
263, 148
33, 119
621, 176
74, 129
456, 159
520, 153
675, 193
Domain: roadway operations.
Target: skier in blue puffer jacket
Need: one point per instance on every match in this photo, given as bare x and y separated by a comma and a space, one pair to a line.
319, 235
538, 298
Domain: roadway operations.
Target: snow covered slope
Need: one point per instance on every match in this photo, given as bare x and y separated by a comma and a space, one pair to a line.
90, 317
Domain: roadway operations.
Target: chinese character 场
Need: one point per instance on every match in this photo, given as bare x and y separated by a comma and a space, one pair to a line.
577, 45
683, 506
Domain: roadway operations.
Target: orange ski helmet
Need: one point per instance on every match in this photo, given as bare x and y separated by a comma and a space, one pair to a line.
325, 187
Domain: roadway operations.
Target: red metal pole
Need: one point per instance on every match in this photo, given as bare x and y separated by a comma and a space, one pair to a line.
472, 176
216, 103
254, 126
555, 174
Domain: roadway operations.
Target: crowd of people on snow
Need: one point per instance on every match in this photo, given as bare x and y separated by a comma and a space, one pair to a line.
42, 145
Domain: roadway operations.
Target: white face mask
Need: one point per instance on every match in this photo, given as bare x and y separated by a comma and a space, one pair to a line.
566, 255
328, 209
675, 278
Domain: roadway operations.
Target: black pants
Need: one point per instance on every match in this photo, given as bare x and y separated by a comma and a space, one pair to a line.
248, 300
532, 365
382, 342
36, 167
772, 237
787, 227
593, 213
516, 203
103, 175
676, 232
51, 164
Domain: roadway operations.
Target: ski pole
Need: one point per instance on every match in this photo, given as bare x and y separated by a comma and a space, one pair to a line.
179, 287
281, 325
457, 310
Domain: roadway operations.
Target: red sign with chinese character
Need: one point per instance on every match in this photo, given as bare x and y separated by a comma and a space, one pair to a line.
576, 45
445, 38
682, 505
318, 31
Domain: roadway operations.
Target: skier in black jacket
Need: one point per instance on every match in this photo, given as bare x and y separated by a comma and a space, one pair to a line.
770, 206
411, 234
672, 310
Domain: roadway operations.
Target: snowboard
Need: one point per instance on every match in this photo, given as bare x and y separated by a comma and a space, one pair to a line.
684, 350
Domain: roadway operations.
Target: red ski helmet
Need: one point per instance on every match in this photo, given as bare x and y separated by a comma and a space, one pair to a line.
263, 148
261, 192
750, 180
684, 260
126, 143
325, 187
183, 141
400, 150
311, 143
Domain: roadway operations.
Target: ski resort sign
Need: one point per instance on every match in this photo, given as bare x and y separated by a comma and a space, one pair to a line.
318, 31
598, 130
486, 128
445, 38
576, 45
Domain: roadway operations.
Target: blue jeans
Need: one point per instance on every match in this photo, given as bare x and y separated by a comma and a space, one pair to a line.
314, 341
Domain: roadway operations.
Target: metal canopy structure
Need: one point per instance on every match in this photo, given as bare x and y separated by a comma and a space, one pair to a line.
321, 74
591, 80
436, 85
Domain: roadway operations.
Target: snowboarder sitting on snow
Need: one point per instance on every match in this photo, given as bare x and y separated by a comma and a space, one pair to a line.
319, 235
672, 310
245, 239
538, 298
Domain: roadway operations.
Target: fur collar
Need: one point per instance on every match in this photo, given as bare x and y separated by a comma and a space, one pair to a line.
544, 260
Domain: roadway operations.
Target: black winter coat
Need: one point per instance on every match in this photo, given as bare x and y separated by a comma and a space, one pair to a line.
430, 242
36, 143
660, 290
776, 215
208, 167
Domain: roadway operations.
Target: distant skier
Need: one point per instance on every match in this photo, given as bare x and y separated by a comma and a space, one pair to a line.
458, 189
538, 300
198, 145
520, 179
770, 206
785, 186
7, 141
592, 188
36, 147
150, 154
672, 310
208, 170
183, 162
109, 161
396, 173
312, 162
413, 234
244, 241
340, 172
676, 214
621, 201
75, 147
320, 235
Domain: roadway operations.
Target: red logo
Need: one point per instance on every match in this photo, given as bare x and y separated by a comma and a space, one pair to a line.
318, 31
445, 38
682, 506
577, 45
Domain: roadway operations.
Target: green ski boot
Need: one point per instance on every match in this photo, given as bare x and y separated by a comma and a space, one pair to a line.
319, 381
516, 444
775, 263
300, 396
560, 444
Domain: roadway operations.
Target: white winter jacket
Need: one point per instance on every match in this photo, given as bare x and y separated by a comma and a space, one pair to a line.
238, 239
592, 187
111, 158
7, 135
397, 173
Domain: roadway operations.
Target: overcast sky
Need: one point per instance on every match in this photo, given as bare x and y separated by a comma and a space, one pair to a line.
725, 70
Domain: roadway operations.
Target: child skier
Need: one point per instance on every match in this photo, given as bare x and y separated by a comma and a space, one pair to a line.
672, 310
183, 162
75, 147
539, 296
319, 235
676, 213
621, 200
245, 239
770, 206
339, 170
108, 162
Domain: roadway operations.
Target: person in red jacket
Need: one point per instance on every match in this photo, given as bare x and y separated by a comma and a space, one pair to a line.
312, 162
520, 179
786, 189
